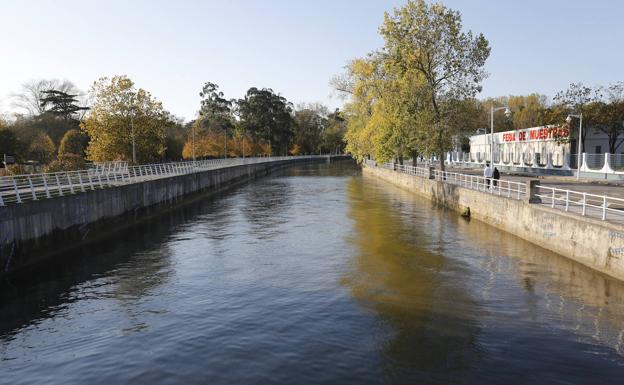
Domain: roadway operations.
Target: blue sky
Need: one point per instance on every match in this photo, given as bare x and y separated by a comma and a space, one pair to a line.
172, 47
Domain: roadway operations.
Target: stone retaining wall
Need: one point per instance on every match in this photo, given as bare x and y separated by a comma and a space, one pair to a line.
594, 243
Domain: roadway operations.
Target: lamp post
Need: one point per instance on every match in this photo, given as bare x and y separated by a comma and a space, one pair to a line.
132, 111
580, 137
492, 111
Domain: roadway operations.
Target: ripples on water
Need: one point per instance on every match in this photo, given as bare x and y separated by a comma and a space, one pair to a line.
315, 275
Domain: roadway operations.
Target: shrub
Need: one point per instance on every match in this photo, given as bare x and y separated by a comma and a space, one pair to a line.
73, 142
67, 162
41, 148
16, 169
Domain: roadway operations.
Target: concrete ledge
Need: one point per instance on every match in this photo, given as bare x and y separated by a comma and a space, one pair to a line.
36, 230
594, 243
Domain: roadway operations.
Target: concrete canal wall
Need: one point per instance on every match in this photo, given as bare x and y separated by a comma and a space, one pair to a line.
594, 243
34, 230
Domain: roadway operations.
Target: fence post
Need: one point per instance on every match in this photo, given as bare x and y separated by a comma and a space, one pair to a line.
17, 194
531, 191
81, 184
45, 185
58, 184
604, 207
32, 189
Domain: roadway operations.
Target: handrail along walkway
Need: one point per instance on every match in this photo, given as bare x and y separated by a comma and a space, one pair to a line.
604, 207
15, 189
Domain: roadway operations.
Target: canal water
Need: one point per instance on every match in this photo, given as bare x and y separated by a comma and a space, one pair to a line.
315, 275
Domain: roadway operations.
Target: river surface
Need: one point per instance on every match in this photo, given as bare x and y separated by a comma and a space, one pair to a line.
315, 275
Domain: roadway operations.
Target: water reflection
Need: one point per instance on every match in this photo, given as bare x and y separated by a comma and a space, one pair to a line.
574, 297
433, 327
265, 204
315, 276
125, 266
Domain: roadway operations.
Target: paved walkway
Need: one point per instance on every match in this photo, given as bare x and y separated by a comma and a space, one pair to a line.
615, 209
563, 182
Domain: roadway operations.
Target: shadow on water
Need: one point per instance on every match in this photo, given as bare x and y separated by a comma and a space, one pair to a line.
136, 260
397, 276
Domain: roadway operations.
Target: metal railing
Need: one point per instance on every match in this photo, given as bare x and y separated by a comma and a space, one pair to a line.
20, 188
617, 162
581, 202
500, 187
592, 205
594, 161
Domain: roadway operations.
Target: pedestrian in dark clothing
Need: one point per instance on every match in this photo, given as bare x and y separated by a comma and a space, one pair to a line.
495, 176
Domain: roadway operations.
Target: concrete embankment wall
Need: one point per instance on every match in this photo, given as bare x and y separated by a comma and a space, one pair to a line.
594, 243
32, 231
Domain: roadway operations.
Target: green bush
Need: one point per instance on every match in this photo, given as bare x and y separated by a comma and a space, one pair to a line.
16, 169
66, 162
73, 142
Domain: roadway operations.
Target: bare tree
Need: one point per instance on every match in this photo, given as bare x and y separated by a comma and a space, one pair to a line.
576, 98
343, 84
29, 99
610, 115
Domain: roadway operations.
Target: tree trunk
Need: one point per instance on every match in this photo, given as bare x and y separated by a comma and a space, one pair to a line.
440, 152
612, 140
401, 160
414, 158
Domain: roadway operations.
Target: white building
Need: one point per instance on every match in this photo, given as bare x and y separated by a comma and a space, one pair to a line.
536, 146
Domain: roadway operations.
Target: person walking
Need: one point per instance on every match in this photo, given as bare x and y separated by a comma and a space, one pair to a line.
495, 176
487, 174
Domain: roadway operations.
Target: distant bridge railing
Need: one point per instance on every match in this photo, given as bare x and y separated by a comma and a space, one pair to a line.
20, 188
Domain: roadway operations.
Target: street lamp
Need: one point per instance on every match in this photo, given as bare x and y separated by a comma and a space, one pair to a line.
580, 137
132, 112
492, 111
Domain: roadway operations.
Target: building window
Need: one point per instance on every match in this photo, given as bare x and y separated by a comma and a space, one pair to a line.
598, 149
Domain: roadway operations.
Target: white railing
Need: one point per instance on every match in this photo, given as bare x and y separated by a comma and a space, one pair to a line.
20, 188
500, 187
581, 202
594, 161
593, 205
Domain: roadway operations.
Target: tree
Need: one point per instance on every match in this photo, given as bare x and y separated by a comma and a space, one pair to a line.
215, 114
41, 149
608, 115
176, 134
267, 116
119, 114
61, 103
363, 136
73, 142
67, 162
429, 39
310, 123
576, 98
30, 99
8, 142
333, 135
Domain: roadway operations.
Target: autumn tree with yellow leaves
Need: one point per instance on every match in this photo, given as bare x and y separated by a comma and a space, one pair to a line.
120, 113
